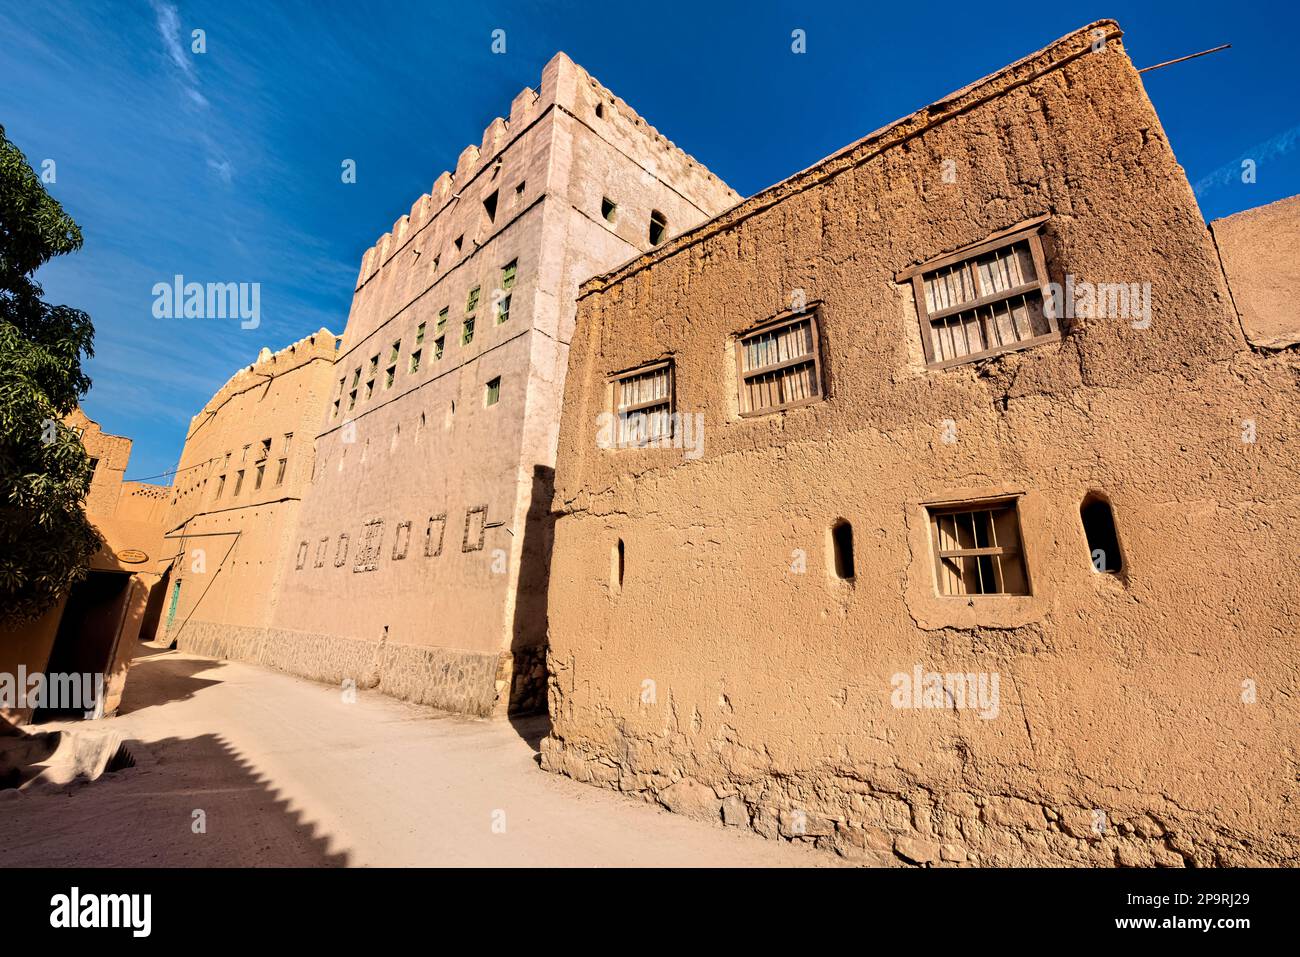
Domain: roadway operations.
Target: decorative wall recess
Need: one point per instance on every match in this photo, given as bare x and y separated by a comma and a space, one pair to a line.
322, 549
341, 552
302, 556
372, 539
475, 527
401, 540
434, 534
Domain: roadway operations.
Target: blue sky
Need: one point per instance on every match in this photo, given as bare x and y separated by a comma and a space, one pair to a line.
225, 165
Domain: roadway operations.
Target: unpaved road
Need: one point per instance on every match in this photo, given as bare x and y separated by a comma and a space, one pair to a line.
285, 773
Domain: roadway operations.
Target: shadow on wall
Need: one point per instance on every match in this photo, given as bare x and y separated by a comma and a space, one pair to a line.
192, 802
527, 705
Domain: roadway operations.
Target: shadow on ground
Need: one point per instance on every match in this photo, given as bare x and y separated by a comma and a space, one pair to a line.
188, 802
171, 679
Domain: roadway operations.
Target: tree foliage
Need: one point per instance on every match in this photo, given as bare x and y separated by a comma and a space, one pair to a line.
46, 541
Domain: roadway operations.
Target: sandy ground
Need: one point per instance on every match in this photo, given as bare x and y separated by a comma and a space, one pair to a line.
286, 773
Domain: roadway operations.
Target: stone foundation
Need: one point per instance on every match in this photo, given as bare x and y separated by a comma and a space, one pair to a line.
855, 814
465, 682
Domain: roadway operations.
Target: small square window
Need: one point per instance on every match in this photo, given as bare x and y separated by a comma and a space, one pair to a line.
395, 351
471, 301
779, 366
607, 209
390, 376
438, 346
352, 400
493, 395
467, 331
414, 363
419, 333
977, 550
442, 320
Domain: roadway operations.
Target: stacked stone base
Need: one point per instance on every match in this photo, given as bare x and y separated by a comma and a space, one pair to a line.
876, 826
465, 682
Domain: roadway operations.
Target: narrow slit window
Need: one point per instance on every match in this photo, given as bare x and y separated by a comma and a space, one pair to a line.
978, 550
779, 366
658, 227
1103, 540
616, 567
842, 550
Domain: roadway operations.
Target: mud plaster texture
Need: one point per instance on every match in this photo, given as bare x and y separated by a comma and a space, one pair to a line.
1146, 717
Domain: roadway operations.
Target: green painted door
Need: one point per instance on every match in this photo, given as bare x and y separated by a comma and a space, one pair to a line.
171, 609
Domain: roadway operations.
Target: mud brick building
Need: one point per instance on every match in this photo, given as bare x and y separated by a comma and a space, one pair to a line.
93, 629
235, 497
989, 556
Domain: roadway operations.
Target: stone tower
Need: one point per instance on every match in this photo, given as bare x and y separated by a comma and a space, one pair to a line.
420, 561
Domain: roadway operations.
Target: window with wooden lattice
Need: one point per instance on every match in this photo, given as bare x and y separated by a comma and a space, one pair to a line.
643, 404
977, 549
779, 365
985, 299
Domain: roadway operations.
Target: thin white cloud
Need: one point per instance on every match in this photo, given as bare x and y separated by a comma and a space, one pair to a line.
169, 28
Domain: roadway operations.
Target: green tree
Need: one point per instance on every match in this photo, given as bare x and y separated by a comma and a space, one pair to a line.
46, 540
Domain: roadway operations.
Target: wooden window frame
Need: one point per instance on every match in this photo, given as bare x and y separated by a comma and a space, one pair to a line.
935, 512
616, 380
810, 314
1030, 230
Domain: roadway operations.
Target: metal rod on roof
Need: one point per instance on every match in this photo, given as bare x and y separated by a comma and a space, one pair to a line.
1190, 56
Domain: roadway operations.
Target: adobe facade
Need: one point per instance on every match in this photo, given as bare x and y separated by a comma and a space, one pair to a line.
418, 560
859, 542
235, 497
93, 628
1260, 252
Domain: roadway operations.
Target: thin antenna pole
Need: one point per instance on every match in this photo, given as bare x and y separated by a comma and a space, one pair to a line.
1191, 56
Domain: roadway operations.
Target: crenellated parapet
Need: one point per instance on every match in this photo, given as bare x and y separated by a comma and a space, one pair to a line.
567, 85
321, 344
